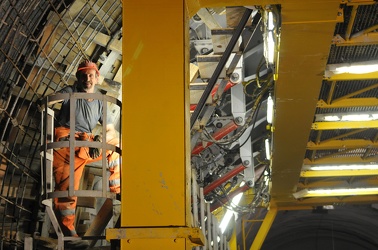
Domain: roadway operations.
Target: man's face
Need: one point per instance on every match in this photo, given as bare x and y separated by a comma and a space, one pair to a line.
87, 80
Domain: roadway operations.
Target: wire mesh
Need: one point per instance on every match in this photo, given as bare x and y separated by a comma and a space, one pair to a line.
41, 44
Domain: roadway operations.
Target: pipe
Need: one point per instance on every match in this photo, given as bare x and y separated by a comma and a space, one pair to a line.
223, 179
228, 128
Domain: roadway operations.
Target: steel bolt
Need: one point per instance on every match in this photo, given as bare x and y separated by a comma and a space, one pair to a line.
234, 77
238, 120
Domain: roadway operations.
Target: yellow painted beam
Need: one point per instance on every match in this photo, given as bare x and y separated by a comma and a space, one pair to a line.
336, 173
364, 39
351, 22
264, 228
232, 243
336, 144
344, 125
172, 233
350, 102
305, 39
309, 193
155, 188
358, 2
349, 76
366, 181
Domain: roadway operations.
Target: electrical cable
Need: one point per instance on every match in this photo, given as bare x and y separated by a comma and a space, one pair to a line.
248, 121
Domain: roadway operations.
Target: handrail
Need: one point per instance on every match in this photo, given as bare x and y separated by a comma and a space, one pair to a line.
48, 145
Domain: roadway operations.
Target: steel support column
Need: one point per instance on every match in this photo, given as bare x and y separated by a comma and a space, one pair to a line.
155, 211
264, 229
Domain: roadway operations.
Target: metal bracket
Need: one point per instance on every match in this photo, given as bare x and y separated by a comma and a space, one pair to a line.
194, 234
238, 104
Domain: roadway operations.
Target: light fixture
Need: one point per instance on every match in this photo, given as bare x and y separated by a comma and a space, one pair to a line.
331, 118
306, 193
267, 149
270, 35
309, 171
269, 109
227, 217
335, 117
352, 68
340, 167
271, 47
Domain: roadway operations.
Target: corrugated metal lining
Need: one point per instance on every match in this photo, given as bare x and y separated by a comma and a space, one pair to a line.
348, 54
366, 16
338, 153
347, 87
366, 134
19, 177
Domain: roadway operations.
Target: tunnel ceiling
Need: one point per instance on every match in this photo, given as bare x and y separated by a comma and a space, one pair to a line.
42, 43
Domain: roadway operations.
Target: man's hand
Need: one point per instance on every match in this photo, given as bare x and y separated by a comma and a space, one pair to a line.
95, 152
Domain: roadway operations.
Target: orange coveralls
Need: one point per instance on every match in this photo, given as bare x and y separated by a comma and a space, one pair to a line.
65, 207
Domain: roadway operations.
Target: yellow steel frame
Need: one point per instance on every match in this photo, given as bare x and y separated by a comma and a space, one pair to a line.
349, 77
264, 229
306, 193
344, 125
156, 187
245, 234
351, 102
336, 144
368, 181
155, 211
174, 234
334, 173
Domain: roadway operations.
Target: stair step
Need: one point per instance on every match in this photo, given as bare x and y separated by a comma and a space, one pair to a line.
221, 38
207, 65
89, 202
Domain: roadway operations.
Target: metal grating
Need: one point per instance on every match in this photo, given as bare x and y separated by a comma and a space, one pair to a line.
367, 134
348, 54
366, 16
347, 87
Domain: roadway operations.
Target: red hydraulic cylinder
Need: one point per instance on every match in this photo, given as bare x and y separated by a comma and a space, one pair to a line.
223, 179
228, 128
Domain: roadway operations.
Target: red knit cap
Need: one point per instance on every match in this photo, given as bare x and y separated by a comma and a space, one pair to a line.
87, 65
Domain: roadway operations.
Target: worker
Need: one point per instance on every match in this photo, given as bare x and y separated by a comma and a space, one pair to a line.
88, 114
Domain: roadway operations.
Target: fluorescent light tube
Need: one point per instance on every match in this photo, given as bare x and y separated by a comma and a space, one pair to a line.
269, 110
227, 217
267, 149
340, 167
335, 192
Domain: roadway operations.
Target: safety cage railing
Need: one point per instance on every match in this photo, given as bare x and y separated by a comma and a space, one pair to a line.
48, 145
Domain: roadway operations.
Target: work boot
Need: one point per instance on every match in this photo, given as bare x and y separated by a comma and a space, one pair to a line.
76, 244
